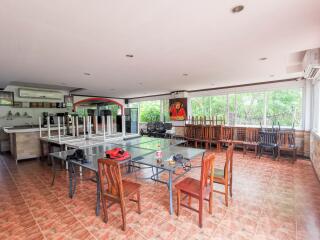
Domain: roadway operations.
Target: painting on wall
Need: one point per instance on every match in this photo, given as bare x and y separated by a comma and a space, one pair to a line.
6, 98
178, 109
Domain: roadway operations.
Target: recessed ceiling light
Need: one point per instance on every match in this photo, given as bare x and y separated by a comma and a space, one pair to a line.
237, 9
87, 74
129, 55
185, 74
263, 59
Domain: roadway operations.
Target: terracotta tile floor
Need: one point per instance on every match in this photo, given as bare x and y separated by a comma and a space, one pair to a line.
272, 200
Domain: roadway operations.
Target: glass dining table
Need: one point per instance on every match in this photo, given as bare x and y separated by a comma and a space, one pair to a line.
139, 155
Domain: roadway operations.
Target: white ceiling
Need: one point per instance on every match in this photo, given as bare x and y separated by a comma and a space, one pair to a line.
55, 42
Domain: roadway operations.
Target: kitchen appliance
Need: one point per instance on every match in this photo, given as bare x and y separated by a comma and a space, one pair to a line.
45, 118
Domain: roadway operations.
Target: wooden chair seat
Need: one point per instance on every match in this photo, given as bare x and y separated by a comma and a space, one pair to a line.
250, 143
130, 188
288, 147
237, 142
190, 186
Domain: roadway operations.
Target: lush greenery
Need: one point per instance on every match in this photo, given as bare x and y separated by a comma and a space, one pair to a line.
251, 108
150, 111
285, 107
282, 106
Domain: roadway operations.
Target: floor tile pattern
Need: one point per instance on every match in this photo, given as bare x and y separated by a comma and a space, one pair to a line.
271, 200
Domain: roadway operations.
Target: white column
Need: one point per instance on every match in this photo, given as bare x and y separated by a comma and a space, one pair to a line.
97, 125
48, 124
72, 122
307, 113
59, 133
84, 126
109, 119
77, 126
64, 125
123, 122
104, 127
161, 111
40, 131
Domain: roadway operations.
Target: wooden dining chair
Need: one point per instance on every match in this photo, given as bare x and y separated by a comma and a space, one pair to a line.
251, 140
226, 137
287, 143
224, 176
114, 190
198, 189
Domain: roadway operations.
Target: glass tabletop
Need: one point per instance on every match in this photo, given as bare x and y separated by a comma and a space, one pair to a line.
85, 143
162, 142
135, 141
167, 154
94, 153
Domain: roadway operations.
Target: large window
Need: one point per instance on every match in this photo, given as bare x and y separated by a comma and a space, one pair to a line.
197, 107
284, 107
250, 108
253, 108
209, 106
150, 111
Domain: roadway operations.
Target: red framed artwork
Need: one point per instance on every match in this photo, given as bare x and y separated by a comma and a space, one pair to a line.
178, 109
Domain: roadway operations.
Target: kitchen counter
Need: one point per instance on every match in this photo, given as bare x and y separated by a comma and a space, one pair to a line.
25, 141
28, 129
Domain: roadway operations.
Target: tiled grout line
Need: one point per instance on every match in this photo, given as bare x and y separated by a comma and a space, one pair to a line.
259, 218
13, 180
81, 221
53, 192
275, 170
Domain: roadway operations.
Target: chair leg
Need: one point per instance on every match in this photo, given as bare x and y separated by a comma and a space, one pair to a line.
230, 187
200, 211
226, 193
123, 212
105, 210
210, 202
139, 202
178, 201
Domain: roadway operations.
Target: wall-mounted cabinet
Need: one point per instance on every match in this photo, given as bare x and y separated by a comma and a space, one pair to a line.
42, 94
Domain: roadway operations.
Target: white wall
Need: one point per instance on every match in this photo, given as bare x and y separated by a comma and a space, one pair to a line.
34, 113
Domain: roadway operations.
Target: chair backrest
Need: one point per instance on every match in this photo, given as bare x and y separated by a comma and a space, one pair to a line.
150, 126
110, 178
227, 133
240, 134
160, 127
168, 126
229, 162
287, 138
199, 132
252, 135
268, 137
207, 166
